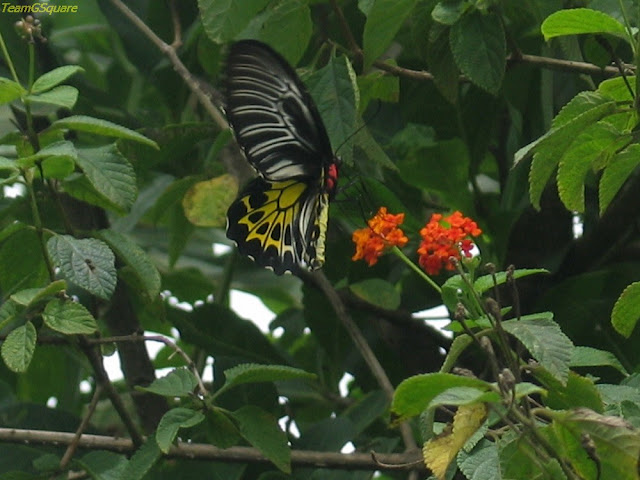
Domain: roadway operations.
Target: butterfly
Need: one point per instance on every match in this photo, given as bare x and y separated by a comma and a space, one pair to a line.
280, 218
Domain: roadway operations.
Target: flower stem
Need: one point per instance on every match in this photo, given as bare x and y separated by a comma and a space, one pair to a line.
7, 58
413, 266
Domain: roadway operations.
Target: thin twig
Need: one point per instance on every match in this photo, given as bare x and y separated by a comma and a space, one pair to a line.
177, 26
334, 460
346, 31
71, 449
156, 338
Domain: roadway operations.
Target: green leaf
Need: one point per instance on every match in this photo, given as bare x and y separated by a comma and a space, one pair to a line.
448, 12
171, 422
624, 315
110, 174
177, 383
487, 282
377, 292
62, 96
130, 253
69, 317
545, 341
261, 430
481, 463
593, 357
577, 21
335, 97
62, 149
10, 90
289, 26
617, 88
102, 465
223, 21
83, 123
442, 64
22, 271
578, 391
464, 396
414, 394
205, 203
142, 460
54, 77
32, 296
383, 22
17, 349
595, 145
617, 443
583, 110
459, 345
87, 263
255, 373
479, 47
220, 429
616, 174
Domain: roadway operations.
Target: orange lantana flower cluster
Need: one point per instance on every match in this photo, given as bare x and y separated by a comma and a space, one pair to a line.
444, 238
381, 234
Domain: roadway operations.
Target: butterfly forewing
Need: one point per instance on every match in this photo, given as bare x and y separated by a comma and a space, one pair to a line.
280, 219
273, 116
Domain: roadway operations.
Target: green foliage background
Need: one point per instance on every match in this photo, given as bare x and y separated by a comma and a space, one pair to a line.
433, 106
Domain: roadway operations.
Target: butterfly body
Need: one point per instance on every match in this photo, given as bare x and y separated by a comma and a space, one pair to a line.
280, 219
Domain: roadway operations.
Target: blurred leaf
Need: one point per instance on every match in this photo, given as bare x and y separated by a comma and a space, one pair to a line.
103, 465
620, 168
205, 203
142, 460
222, 21
10, 90
579, 21
261, 430
384, 20
54, 77
377, 292
288, 26
479, 47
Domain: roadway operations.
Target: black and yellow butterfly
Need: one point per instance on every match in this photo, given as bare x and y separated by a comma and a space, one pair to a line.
280, 219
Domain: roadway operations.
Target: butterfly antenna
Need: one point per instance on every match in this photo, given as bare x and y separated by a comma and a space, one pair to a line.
357, 130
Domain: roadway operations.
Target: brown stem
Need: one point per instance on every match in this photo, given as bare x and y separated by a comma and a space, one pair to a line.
332, 460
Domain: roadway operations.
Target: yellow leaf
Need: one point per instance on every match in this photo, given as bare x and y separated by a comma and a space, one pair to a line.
205, 203
439, 451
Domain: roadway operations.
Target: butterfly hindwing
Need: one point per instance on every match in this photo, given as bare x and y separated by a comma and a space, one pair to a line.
280, 219
279, 224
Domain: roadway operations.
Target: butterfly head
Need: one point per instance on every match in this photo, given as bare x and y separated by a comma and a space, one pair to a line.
331, 177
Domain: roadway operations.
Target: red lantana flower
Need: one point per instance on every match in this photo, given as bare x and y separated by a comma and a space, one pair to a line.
381, 234
444, 238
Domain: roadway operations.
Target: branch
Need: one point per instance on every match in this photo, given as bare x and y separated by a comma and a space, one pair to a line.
178, 66
321, 281
199, 451
543, 62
